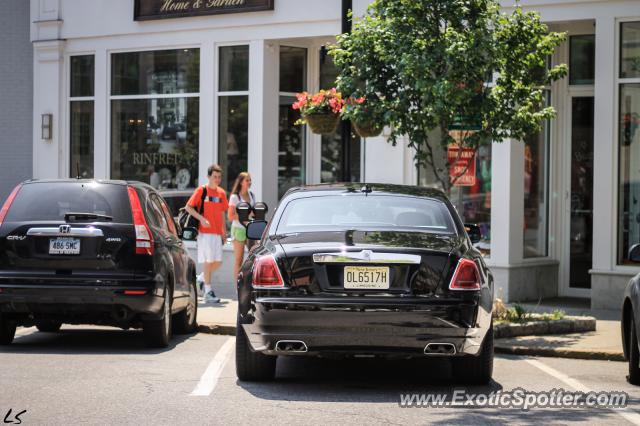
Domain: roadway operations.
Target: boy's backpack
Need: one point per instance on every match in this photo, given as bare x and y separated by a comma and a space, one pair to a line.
185, 220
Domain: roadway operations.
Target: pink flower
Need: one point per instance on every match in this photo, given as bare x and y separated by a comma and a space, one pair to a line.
317, 99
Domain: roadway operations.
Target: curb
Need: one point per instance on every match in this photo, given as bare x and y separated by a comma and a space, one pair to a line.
559, 353
224, 330
568, 325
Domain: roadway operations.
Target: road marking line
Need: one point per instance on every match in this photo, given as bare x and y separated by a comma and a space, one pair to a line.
627, 413
25, 332
209, 379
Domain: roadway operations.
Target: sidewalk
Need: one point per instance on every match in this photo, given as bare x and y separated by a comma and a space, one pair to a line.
219, 318
603, 344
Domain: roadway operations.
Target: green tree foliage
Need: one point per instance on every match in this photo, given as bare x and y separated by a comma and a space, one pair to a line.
428, 64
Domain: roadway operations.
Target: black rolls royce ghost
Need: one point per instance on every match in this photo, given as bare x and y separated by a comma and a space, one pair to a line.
365, 270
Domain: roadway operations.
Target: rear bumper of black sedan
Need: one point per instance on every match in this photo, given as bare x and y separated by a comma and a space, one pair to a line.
377, 326
80, 304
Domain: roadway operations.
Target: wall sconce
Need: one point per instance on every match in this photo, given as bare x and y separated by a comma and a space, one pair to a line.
47, 124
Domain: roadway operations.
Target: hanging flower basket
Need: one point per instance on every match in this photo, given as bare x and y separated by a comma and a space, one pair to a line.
367, 130
365, 114
321, 111
323, 124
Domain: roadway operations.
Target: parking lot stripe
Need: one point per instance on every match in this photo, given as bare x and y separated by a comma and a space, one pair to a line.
626, 413
209, 379
25, 331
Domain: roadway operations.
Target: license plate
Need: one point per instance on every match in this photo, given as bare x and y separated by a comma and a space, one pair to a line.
64, 246
366, 277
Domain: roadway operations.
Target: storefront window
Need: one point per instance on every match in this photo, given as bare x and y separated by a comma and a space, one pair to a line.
291, 138
629, 208
473, 202
629, 141
161, 72
81, 111
293, 69
156, 140
233, 112
81, 133
536, 193
582, 54
82, 75
234, 69
331, 145
630, 50
233, 137
331, 158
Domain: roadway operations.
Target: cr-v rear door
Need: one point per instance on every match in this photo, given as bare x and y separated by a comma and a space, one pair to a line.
77, 229
160, 218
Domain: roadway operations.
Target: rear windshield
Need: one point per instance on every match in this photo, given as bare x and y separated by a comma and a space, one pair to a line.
50, 201
340, 212
176, 202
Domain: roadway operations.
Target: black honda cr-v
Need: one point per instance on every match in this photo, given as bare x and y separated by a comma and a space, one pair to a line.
93, 252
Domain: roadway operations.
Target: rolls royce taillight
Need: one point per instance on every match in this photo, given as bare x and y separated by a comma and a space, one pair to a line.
466, 276
144, 238
266, 273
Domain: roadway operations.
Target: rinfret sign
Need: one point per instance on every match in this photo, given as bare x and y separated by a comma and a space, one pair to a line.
161, 9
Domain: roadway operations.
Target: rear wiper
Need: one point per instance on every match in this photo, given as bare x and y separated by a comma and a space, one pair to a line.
71, 217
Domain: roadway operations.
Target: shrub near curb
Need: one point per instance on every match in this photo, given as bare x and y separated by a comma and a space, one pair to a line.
533, 328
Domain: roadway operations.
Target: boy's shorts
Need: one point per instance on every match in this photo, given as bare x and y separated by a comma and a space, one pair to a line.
209, 248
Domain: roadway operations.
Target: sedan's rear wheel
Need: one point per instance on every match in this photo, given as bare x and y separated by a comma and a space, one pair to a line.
634, 354
476, 370
48, 326
157, 333
7, 331
252, 366
184, 322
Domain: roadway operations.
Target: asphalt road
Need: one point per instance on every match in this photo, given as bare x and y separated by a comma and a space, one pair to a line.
90, 375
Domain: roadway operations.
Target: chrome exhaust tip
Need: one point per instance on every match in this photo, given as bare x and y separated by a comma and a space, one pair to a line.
291, 346
440, 349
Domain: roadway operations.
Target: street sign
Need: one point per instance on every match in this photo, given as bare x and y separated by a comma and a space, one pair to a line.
466, 122
462, 165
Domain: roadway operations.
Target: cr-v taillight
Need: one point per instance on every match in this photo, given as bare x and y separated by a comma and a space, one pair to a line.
8, 202
266, 273
466, 276
144, 239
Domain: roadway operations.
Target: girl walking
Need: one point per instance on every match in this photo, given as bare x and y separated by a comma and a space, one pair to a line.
240, 193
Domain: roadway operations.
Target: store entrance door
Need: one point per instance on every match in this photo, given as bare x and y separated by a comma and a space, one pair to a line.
579, 249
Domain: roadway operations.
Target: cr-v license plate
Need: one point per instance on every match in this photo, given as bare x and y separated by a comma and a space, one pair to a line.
64, 246
366, 277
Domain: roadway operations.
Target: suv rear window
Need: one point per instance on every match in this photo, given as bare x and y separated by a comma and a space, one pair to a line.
175, 203
50, 201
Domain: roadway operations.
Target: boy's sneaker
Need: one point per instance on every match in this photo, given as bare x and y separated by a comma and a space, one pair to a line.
211, 298
200, 281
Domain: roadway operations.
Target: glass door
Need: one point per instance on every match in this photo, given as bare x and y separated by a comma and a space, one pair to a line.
581, 193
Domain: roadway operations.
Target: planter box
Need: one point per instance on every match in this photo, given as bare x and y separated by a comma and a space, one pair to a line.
566, 325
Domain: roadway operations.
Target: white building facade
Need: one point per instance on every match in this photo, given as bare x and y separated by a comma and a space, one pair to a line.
135, 94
